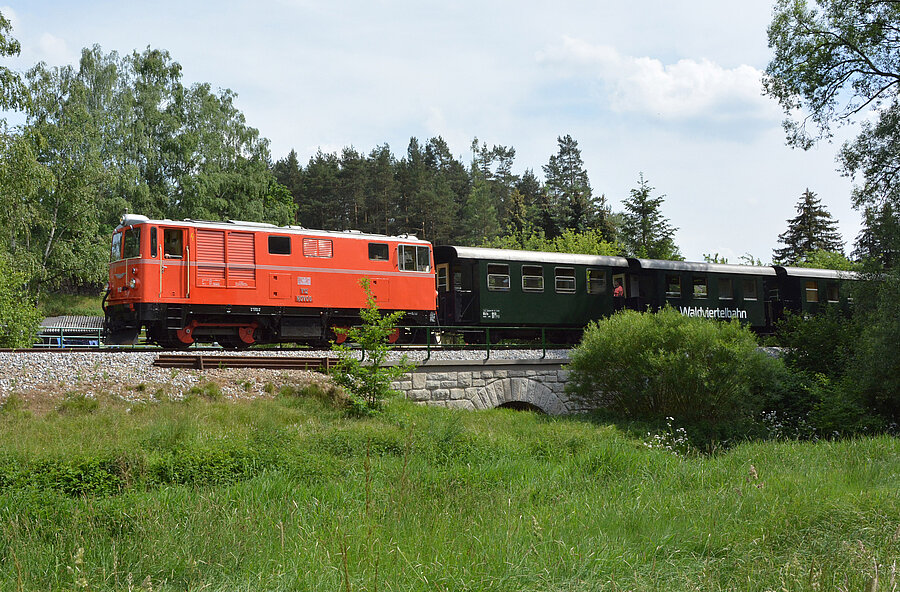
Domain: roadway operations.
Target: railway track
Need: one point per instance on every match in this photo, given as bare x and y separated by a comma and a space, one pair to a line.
210, 362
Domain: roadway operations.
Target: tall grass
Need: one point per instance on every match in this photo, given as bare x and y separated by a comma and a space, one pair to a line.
291, 495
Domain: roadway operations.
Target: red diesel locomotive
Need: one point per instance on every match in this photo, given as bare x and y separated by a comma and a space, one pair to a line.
241, 283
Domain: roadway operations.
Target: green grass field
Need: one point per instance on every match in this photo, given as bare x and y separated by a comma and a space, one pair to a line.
288, 494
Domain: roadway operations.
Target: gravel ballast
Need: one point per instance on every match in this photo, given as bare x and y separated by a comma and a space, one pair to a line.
131, 375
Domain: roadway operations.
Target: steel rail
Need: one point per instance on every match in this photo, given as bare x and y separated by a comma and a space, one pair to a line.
201, 362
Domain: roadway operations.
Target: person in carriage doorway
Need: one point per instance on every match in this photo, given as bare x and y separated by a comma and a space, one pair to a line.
619, 295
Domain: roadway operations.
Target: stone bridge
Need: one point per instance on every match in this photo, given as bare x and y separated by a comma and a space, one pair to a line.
537, 385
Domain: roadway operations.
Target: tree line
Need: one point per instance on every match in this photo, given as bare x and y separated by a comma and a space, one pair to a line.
124, 133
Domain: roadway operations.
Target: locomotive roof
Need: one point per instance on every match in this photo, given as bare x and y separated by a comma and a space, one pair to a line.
133, 220
533, 256
703, 267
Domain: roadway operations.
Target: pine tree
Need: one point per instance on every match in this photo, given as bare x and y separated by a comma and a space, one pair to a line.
645, 231
569, 189
813, 229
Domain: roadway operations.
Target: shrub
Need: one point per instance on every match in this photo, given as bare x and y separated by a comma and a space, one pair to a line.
368, 383
651, 366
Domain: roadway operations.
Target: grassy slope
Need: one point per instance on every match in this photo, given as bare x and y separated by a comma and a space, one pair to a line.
289, 495
56, 304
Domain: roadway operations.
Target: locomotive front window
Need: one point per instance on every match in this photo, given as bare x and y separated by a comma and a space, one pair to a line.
173, 243
378, 252
700, 287
673, 286
414, 258
532, 278
596, 281
132, 244
279, 245
565, 280
726, 289
750, 292
498, 277
812, 291
115, 252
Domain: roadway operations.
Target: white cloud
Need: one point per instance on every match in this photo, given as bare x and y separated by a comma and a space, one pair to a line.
54, 50
686, 89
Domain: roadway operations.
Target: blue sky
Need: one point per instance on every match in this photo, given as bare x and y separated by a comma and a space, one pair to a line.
670, 89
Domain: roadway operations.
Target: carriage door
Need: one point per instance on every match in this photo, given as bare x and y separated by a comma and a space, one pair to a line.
173, 281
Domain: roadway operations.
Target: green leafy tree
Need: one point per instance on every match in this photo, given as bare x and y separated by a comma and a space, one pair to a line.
13, 92
822, 259
811, 230
837, 62
19, 319
368, 380
645, 231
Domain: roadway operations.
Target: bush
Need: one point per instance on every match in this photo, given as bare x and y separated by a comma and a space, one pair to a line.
651, 366
368, 383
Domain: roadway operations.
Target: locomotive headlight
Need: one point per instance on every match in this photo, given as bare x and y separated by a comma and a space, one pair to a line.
134, 271
132, 284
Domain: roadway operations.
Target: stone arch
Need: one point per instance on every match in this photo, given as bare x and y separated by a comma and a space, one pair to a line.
519, 389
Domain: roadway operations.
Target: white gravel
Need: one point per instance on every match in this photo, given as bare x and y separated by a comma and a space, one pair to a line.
131, 375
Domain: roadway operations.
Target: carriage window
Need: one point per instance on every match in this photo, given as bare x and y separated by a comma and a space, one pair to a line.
414, 258
750, 292
673, 286
132, 248
834, 294
443, 278
154, 243
726, 290
378, 251
532, 278
700, 287
498, 277
279, 245
596, 281
812, 291
115, 252
173, 241
565, 280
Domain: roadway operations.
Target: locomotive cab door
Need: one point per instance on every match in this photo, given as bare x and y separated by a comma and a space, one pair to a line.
175, 265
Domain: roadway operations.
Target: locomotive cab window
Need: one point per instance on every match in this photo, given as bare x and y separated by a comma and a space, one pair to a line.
700, 287
673, 286
750, 291
498, 277
378, 252
115, 252
565, 280
596, 281
173, 243
532, 278
279, 245
726, 289
812, 291
132, 244
414, 258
